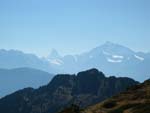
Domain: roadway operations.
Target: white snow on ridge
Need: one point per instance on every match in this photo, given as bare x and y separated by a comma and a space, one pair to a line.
114, 61
139, 58
117, 56
56, 62
113, 56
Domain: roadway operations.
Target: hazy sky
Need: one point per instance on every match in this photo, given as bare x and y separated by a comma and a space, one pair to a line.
73, 26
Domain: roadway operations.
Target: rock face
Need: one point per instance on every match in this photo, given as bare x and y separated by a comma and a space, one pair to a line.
86, 88
135, 100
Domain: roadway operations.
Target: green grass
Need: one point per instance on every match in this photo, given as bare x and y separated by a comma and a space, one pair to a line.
123, 108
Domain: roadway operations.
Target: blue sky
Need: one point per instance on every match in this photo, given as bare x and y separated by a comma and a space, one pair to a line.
73, 26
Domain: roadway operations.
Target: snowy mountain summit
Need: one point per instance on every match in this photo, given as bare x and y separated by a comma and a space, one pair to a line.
113, 59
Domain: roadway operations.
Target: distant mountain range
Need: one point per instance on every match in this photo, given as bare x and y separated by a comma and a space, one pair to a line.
111, 58
12, 80
10, 59
87, 88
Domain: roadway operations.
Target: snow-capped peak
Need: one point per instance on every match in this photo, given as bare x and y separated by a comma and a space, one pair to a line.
138, 57
54, 54
56, 62
114, 60
114, 49
118, 56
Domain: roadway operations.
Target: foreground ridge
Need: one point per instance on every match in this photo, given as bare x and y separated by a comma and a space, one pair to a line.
87, 88
135, 100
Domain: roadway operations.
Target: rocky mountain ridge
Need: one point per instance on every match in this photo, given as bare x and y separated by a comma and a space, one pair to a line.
87, 88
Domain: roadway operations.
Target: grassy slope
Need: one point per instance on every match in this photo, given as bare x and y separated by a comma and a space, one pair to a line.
135, 100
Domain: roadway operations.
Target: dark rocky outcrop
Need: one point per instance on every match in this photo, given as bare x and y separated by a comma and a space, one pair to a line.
135, 100
86, 88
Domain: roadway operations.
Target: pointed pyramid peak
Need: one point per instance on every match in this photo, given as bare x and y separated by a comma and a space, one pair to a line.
54, 51
54, 54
